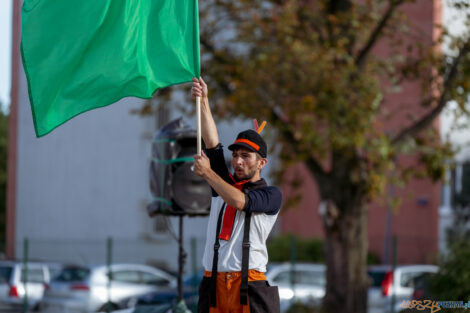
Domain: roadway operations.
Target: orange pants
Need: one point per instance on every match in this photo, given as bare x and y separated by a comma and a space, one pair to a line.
228, 291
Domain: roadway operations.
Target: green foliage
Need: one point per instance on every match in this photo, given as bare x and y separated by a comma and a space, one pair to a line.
300, 307
373, 258
451, 283
3, 172
284, 248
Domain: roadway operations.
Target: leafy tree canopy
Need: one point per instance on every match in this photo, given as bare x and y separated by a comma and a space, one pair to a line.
308, 67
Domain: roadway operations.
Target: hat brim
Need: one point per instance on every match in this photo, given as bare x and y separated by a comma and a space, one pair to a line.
233, 146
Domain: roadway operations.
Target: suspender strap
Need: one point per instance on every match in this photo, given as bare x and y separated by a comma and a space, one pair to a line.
215, 262
245, 260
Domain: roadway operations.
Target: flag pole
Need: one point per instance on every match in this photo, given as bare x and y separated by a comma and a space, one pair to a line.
198, 114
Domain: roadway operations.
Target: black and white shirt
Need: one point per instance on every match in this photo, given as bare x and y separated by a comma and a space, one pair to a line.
264, 202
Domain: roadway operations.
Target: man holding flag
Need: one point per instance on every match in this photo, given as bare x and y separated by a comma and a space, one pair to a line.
243, 211
80, 55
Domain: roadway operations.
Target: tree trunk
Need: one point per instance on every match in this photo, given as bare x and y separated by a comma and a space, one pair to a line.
346, 258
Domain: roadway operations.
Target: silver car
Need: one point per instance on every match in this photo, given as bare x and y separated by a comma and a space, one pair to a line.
13, 289
385, 282
79, 289
302, 282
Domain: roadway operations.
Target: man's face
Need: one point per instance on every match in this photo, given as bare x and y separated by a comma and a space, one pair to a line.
245, 163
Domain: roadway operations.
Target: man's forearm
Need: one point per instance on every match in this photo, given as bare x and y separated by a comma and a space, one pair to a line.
231, 195
209, 130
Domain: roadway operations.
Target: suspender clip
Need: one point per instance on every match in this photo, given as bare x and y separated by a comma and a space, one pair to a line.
216, 246
246, 245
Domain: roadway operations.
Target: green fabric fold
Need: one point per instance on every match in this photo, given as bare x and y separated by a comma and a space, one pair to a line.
79, 55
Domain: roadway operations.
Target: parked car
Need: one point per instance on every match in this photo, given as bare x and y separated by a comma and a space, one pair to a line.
84, 289
400, 283
13, 289
169, 295
163, 308
421, 287
302, 282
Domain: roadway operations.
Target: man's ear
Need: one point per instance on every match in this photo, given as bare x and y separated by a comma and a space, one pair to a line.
262, 163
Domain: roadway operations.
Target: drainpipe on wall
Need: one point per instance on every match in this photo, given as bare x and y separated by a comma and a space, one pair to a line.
12, 135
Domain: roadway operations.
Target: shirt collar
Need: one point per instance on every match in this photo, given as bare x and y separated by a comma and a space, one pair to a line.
253, 185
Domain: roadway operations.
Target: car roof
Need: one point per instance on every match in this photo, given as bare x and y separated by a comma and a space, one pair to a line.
299, 264
276, 268
387, 267
13, 263
115, 266
98, 265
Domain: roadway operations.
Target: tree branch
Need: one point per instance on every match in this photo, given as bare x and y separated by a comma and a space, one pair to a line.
210, 47
335, 6
374, 36
313, 165
426, 120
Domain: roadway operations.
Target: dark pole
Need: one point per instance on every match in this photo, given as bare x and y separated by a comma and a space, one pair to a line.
389, 222
181, 260
109, 261
25, 274
195, 281
394, 265
388, 231
293, 261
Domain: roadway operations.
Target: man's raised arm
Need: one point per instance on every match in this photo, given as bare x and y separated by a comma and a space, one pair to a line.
209, 130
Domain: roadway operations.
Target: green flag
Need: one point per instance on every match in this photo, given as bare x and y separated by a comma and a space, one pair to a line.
79, 55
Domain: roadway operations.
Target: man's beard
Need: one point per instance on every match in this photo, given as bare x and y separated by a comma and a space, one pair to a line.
247, 176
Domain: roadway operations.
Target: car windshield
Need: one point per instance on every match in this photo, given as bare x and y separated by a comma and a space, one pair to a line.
377, 277
5, 273
73, 274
